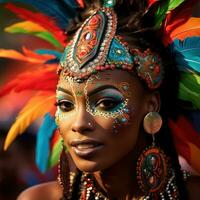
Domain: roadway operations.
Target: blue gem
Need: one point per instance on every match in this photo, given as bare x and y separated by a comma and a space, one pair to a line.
123, 120
126, 110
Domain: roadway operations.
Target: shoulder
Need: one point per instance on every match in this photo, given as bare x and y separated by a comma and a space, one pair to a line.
45, 191
193, 187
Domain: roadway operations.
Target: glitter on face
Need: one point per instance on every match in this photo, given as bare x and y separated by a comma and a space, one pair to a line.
119, 95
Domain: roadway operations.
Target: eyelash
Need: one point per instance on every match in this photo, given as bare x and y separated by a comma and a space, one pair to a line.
106, 104
65, 105
114, 104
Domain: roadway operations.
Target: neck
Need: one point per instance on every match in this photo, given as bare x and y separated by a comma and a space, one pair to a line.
119, 181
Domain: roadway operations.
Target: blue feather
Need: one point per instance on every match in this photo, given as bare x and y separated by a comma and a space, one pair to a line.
60, 10
44, 135
50, 52
187, 54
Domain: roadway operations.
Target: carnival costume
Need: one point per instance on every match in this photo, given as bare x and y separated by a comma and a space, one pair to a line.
96, 47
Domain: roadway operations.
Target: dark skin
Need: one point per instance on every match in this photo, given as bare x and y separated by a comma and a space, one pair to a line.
121, 149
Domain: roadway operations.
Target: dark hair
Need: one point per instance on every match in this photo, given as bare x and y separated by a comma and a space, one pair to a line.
135, 24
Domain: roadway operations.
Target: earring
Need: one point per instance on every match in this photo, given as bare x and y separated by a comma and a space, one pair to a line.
152, 165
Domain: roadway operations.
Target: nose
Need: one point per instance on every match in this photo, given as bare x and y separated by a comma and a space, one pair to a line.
84, 122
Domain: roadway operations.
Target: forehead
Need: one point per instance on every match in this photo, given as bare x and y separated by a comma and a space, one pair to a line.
118, 78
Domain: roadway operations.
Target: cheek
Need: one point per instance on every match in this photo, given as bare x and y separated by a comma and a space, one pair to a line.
104, 124
63, 121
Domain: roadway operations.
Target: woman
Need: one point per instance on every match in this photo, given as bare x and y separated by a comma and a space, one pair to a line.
117, 90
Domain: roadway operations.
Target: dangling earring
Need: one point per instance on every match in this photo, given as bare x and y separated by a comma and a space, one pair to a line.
152, 165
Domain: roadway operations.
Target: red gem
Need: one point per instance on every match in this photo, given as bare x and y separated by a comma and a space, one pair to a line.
157, 69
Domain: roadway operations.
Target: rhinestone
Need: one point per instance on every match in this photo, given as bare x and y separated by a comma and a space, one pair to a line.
88, 36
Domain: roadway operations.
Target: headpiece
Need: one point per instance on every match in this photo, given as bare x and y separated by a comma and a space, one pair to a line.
96, 46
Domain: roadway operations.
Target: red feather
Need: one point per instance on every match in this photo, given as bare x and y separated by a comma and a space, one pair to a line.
180, 142
81, 3
40, 19
177, 18
54, 138
184, 135
41, 80
150, 3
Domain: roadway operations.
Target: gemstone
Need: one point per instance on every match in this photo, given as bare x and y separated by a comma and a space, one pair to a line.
88, 36
118, 51
123, 120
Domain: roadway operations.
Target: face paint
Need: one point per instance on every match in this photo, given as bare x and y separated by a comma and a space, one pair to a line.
64, 106
122, 120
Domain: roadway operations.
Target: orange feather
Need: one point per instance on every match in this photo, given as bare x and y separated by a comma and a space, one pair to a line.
37, 107
27, 56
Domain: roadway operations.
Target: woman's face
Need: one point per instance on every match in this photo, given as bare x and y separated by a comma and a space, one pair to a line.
100, 119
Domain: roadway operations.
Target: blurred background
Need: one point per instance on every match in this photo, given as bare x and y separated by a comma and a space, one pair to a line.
17, 165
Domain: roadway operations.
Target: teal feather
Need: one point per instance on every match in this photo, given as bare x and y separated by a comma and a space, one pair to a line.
60, 10
187, 54
57, 55
44, 135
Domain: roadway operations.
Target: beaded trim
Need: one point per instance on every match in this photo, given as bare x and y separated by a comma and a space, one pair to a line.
95, 47
89, 191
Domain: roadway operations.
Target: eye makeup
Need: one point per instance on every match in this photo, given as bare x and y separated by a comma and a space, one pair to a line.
108, 102
65, 104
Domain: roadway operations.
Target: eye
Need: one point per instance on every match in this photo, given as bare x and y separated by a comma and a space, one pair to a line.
65, 105
107, 104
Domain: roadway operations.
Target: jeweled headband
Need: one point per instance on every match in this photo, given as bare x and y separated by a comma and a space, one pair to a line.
96, 47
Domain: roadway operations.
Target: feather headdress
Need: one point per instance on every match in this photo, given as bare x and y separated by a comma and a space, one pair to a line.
181, 34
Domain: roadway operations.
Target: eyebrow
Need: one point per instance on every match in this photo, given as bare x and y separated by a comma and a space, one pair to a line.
65, 91
103, 87
96, 90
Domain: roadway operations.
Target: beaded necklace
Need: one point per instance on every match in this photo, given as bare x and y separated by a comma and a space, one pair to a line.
89, 191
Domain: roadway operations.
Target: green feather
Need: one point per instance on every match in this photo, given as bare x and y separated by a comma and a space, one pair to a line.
164, 9
189, 89
55, 154
45, 35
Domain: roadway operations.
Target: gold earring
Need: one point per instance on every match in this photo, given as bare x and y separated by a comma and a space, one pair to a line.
152, 165
152, 123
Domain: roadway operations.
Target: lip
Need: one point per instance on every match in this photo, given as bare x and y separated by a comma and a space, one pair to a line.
86, 148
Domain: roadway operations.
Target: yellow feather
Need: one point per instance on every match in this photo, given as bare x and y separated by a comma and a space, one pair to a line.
26, 25
36, 107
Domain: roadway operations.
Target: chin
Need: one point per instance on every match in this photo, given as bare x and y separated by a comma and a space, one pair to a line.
87, 165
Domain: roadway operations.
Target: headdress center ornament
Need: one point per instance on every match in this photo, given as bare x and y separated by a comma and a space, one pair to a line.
96, 47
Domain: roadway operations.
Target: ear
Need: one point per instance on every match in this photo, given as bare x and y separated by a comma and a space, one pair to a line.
153, 102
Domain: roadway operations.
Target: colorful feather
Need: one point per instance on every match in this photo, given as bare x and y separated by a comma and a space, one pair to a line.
40, 80
164, 9
187, 53
26, 55
28, 27
50, 52
60, 10
55, 153
40, 19
81, 3
44, 135
37, 107
174, 31
176, 22
189, 89
187, 141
